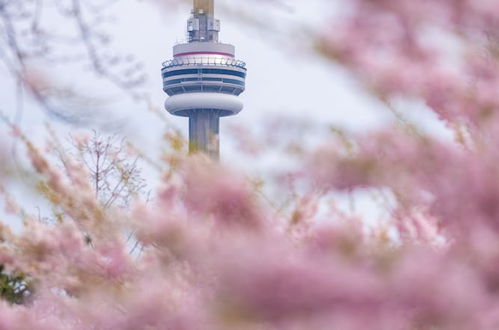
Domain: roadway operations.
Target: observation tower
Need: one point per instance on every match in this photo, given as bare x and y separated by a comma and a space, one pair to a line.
204, 80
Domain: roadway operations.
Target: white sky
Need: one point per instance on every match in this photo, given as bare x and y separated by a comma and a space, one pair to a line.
285, 78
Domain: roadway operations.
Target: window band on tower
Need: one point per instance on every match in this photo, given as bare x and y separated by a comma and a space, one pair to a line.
204, 71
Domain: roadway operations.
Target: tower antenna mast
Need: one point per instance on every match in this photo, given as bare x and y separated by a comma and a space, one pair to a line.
205, 6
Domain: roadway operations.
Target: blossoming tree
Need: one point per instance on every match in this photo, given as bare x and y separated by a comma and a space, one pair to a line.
214, 255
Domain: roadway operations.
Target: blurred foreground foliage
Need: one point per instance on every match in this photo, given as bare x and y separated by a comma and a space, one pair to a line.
211, 251
14, 288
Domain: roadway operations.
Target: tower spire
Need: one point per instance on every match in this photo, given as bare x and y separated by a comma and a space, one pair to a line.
202, 26
204, 6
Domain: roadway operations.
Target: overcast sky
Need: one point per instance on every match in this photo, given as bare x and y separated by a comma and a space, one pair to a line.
285, 77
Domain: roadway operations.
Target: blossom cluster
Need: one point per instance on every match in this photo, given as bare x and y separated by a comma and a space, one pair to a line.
210, 253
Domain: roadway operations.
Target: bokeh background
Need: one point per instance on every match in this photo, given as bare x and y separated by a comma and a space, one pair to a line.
100, 70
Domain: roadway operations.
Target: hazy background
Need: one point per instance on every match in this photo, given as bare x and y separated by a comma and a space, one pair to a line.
285, 76
288, 81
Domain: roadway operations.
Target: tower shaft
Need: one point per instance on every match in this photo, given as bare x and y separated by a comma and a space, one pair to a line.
204, 130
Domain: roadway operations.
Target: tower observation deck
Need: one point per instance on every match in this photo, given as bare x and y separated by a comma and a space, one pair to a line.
204, 80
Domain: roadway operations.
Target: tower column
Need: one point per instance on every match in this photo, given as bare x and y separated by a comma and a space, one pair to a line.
204, 129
